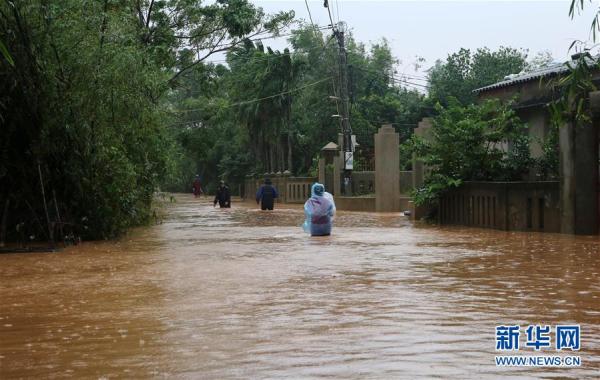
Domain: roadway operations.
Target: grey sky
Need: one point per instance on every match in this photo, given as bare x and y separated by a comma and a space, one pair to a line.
432, 29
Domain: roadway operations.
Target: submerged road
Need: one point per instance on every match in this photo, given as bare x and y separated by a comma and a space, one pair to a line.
245, 294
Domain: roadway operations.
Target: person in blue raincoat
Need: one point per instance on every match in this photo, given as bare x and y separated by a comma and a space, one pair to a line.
319, 210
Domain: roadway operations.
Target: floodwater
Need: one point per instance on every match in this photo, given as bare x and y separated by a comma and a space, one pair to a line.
245, 294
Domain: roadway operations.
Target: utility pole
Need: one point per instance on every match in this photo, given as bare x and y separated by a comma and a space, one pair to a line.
346, 129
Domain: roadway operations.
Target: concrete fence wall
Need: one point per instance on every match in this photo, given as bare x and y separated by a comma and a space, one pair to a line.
510, 206
355, 203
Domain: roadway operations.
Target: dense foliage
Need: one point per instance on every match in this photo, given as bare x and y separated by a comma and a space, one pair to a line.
483, 142
465, 71
82, 104
271, 111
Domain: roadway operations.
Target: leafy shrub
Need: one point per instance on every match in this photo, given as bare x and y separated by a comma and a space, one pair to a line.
483, 142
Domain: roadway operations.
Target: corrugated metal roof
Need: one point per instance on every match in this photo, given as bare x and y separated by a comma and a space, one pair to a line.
550, 70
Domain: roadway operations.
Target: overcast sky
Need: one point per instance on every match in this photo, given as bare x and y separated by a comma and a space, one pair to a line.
433, 29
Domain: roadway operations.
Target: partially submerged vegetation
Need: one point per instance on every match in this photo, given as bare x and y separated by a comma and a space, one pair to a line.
102, 103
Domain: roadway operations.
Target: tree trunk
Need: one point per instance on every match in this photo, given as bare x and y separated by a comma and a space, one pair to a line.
289, 136
50, 224
4, 221
271, 159
289, 152
281, 153
275, 155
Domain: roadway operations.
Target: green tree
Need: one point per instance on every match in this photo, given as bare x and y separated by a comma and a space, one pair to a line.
377, 98
273, 109
88, 102
6, 54
183, 34
484, 142
268, 79
465, 71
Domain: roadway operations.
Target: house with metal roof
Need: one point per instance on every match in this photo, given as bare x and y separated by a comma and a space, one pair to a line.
570, 204
532, 92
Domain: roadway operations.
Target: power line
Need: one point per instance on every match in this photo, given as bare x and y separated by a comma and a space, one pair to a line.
391, 78
259, 99
236, 43
410, 76
220, 48
326, 4
335, 18
310, 15
269, 57
323, 47
403, 81
415, 77
337, 106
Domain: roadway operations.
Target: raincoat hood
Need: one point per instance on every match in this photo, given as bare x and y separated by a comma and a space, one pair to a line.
317, 190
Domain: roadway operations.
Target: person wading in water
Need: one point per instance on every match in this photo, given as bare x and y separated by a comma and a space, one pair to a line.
223, 196
197, 187
319, 210
266, 195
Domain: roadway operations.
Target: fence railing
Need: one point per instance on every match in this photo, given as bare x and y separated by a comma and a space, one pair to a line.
298, 189
363, 163
521, 206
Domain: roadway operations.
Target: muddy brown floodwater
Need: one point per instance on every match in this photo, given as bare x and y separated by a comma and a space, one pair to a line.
240, 293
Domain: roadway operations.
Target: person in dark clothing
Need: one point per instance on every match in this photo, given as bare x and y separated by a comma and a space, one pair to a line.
197, 187
223, 196
266, 195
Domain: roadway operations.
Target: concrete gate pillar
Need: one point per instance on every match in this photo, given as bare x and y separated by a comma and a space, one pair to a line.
338, 162
327, 157
387, 170
418, 172
579, 173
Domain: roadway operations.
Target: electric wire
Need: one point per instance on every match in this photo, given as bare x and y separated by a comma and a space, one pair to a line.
332, 26
310, 15
329, 13
392, 78
395, 80
268, 57
250, 101
333, 85
233, 44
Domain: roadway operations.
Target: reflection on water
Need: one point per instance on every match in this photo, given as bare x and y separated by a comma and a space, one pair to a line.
241, 293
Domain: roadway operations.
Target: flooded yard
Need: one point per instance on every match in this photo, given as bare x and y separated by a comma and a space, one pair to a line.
239, 293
